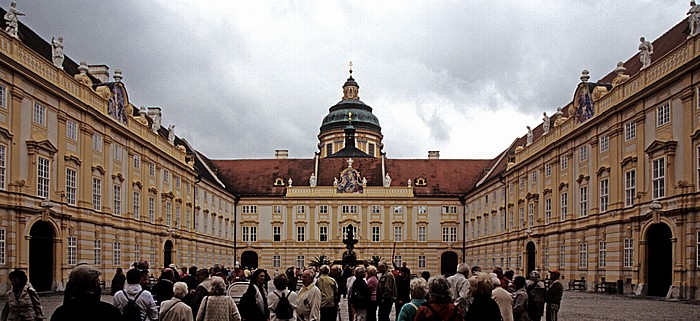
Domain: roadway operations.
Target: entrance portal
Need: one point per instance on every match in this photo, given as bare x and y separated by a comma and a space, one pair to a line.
167, 253
659, 259
448, 263
530, 247
41, 256
249, 259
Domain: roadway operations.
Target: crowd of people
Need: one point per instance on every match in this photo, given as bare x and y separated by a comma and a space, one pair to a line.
372, 292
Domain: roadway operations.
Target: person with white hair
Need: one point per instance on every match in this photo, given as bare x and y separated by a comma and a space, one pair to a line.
218, 306
502, 297
174, 309
419, 290
459, 287
309, 299
439, 305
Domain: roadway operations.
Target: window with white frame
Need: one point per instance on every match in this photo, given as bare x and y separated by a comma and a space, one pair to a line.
323, 233
178, 215
530, 215
117, 254
398, 233
253, 233
117, 199
323, 209
300, 261
376, 209
521, 183
137, 252
3, 166
564, 162
453, 234
628, 253
344, 231
301, 209
422, 209
547, 170
97, 251
533, 177
449, 210
604, 194
188, 215
583, 153
3, 96
151, 209
545, 257
421, 261
564, 205
583, 255
349, 209
276, 261
301, 236
478, 226
510, 220
398, 209
445, 234
521, 217
43, 170
151, 169
72, 250
3, 248
137, 204
375, 233
503, 220
39, 114
583, 201
168, 213
137, 162
547, 210
277, 209
71, 186
663, 114
277, 233
630, 130
71, 130
97, 142
604, 142
630, 187
250, 209
166, 176
397, 260
117, 152
602, 248
422, 233
658, 177
562, 256
493, 223
178, 182
205, 223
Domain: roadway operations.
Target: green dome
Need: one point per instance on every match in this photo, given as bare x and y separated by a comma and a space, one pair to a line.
362, 116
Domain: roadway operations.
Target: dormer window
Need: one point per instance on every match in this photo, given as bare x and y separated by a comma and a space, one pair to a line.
421, 181
279, 181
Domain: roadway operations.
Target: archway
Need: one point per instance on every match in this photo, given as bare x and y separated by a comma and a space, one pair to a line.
249, 259
659, 259
448, 263
41, 256
530, 248
167, 253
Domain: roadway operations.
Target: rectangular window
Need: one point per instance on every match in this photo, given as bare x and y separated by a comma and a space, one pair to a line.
137, 252
583, 153
530, 215
422, 234
250, 209
630, 130
301, 209
547, 170
3, 165
117, 200
178, 182
3, 248
323, 209
533, 176
151, 209
137, 162
277, 233
445, 234
253, 233
43, 171
97, 142
521, 217
658, 177
398, 209
545, 257
450, 209
564, 162
604, 194
117, 152
503, 220
188, 215
245, 233
422, 209
510, 221
301, 236
601, 254
421, 261
178, 217
71, 130
564, 205
453, 234
663, 114
137, 205
98, 252
583, 202
276, 261
39, 114
96, 194
376, 209
277, 209
547, 210
562, 256
370, 149
630, 187
397, 260
604, 142
628, 253
300, 261
582, 255
117, 257
71, 186
375, 233
166, 176
398, 233
329, 149
169, 213
349, 209
205, 224
3, 97
323, 233
152, 169
72, 250
521, 183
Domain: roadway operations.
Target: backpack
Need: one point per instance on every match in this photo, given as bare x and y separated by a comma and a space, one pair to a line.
284, 309
436, 316
132, 311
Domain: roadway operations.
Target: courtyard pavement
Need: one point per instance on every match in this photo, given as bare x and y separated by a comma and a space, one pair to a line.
575, 306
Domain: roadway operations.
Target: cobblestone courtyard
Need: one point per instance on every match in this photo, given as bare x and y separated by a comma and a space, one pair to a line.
575, 306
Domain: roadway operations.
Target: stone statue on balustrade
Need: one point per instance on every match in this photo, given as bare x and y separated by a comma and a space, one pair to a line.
57, 52
12, 20
387, 180
545, 122
693, 19
529, 135
312, 180
646, 49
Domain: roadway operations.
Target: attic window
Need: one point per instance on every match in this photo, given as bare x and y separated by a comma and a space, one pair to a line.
279, 181
420, 181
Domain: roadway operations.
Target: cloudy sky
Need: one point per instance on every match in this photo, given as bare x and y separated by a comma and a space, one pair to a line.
240, 79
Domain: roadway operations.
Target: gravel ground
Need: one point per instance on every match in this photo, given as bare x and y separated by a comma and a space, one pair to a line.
575, 306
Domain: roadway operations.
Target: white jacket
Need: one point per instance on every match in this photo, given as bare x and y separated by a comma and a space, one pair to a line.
145, 301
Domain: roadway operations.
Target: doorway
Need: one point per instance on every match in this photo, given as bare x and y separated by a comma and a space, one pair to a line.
659, 259
167, 253
41, 256
448, 263
249, 259
530, 248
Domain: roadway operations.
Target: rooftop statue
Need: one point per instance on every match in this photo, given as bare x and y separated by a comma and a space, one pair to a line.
12, 20
57, 52
693, 19
312, 180
646, 49
545, 122
529, 135
387, 180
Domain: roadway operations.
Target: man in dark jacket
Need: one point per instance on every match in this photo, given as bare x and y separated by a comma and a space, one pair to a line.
403, 288
386, 291
554, 294
536, 293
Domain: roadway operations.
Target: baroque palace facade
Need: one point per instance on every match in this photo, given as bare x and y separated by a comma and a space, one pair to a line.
605, 189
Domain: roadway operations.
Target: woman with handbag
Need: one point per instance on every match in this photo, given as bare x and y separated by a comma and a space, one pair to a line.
360, 295
174, 309
218, 306
22, 302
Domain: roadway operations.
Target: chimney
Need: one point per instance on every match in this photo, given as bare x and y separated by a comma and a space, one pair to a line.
433, 154
100, 72
281, 153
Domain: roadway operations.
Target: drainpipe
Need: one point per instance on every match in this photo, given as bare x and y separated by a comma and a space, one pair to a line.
463, 199
236, 198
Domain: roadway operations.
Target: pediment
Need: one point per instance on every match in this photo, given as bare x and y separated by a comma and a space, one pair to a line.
661, 146
43, 145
